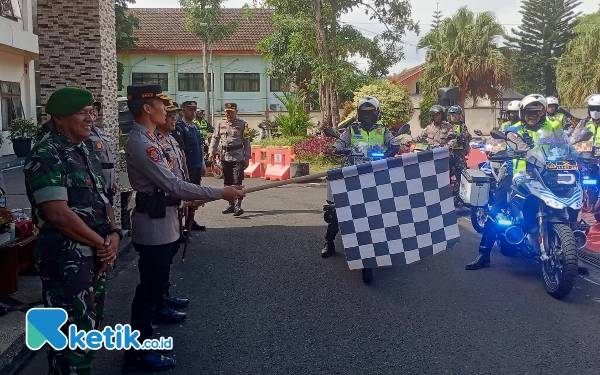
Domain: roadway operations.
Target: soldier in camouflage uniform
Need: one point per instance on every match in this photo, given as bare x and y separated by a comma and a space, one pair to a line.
232, 136
99, 143
78, 237
437, 132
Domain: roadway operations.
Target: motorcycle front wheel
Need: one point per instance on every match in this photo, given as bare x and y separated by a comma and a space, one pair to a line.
478, 218
560, 271
367, 275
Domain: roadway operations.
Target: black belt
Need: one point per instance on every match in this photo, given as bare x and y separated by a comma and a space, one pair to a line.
108, 165
233, 148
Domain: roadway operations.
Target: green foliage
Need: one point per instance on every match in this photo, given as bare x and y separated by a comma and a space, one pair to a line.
23, 128
210, 13
546, 27
296, 122
463, 52
437, 19
351, 80
578, 69
281, 141
253, 134
424, 118
396, 103
126, 23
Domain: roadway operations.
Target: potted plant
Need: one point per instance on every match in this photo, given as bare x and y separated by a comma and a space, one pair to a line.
22, 132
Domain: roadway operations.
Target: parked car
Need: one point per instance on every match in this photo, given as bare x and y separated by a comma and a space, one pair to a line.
125, 116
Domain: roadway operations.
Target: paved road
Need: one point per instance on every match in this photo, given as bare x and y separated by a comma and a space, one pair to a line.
264, 302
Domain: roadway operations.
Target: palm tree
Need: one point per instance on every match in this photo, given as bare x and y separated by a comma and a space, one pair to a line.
464, 52
578, 69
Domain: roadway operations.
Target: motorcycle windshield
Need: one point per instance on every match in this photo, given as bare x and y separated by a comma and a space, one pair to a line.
370, 151
553, 150
495, 145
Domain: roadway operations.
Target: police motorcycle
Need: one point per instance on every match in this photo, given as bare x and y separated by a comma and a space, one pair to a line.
540, 220
589, 160
354, 157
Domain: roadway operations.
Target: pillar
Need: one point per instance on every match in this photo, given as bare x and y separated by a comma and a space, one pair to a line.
78, 48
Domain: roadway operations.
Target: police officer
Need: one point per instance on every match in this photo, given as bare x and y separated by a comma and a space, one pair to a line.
174, 156
156, 222
98, 142
203, 124
512, 112
557, 119
78, 237
190, 139
232, 136
461, 147
436, 134
367, 134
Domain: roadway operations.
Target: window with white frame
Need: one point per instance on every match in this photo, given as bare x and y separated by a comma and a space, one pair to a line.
10, 9
242, 82
192, 82
161, 78
10, 103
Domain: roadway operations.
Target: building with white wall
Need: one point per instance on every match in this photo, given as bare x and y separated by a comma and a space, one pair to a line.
18, 51
168, 54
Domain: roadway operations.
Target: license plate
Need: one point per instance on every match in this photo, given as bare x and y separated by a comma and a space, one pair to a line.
584, 146
562, 165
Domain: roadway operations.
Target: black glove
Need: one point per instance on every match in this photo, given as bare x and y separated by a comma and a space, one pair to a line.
342, 152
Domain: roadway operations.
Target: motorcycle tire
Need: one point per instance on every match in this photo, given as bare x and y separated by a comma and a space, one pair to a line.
559, 281
367, 275
478, 218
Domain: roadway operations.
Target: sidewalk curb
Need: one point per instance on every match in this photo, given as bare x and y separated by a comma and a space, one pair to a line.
14, 162
589, 257
17, 355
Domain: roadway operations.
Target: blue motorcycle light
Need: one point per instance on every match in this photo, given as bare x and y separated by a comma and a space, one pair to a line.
504, 222
589, 182
377, 155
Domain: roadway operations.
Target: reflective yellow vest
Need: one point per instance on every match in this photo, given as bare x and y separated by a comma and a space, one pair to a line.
371, 141
556, 120
507, 124
520, 165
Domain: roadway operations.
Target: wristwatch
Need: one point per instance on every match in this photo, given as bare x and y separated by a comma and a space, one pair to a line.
118, 232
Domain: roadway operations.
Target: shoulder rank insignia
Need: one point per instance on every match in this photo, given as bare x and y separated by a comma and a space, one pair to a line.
154, 154
99, 145
246, 131
151, 136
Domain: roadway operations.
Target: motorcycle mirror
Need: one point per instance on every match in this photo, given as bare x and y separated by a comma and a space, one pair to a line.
478, 132
330, 132
586, 136
404, 129
497, 134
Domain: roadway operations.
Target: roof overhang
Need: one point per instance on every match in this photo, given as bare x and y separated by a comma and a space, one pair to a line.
185, 52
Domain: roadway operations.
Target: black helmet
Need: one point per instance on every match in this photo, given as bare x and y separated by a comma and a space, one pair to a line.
436, 108
455, 109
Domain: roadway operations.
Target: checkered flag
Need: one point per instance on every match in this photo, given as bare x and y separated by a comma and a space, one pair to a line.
395, 211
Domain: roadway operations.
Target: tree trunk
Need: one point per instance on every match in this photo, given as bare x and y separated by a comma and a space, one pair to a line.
324, 51
206, 82
335, 103
326, 106
462, 95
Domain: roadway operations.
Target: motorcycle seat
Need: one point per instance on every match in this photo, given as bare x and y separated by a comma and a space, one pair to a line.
501, 156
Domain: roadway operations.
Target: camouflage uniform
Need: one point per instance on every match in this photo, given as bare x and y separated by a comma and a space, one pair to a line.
58, 169
434, 135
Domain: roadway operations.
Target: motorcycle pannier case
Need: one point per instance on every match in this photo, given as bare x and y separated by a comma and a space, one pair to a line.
474, 187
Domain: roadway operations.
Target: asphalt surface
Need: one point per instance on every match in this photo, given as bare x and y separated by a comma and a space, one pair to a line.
265, 302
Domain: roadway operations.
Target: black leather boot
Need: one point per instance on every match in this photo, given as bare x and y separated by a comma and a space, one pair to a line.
482, 261
146, 361
169, 316
230, 209
175, 302
328, 250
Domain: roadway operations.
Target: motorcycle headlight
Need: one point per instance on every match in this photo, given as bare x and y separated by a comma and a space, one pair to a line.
557, 180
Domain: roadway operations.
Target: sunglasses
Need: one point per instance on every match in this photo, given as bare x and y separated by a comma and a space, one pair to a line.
532, 112
595, 108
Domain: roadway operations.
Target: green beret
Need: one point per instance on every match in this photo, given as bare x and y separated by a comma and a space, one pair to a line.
68, 100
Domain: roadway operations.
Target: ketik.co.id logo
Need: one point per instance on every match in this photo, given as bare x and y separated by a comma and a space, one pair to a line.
43, 325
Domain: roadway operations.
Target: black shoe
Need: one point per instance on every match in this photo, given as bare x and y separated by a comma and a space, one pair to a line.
482, 261
147, 361
169, 316
229, 210
175, 302
238, 211
328, 250
196, 226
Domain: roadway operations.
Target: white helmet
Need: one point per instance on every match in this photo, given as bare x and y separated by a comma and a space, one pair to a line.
552, 100
593, 100
513, 106
368, 100
533, 101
